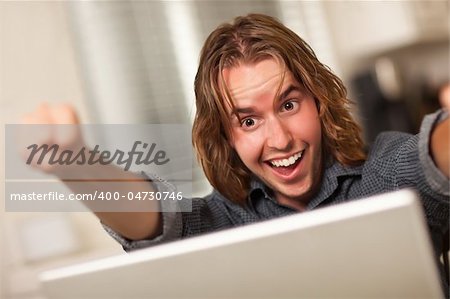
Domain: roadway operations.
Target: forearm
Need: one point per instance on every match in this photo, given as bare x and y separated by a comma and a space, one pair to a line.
133, 225
439, 146
142, 219
134, 220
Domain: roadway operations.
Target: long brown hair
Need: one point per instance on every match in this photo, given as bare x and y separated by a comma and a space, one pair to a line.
250, 39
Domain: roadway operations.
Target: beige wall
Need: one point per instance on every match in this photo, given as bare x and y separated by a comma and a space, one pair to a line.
38, 63
361, 29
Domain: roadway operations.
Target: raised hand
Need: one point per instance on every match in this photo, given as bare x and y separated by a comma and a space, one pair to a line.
55, 130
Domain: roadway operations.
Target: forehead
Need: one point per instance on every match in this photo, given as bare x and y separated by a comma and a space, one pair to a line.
245, 79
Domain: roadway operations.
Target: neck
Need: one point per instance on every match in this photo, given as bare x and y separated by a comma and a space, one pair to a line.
292, 203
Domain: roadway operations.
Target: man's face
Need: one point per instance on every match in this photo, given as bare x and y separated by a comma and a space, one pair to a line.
278, 132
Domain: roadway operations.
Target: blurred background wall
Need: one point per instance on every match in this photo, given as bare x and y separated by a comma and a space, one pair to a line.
135, 62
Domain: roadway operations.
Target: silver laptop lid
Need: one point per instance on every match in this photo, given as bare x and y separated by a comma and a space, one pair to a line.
376, 247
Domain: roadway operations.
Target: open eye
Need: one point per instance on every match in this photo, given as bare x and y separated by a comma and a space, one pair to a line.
289, 105
248, 122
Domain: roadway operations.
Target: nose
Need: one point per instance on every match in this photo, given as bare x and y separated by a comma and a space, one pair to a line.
278, 135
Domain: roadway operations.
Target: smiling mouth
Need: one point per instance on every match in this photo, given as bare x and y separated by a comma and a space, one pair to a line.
287, 162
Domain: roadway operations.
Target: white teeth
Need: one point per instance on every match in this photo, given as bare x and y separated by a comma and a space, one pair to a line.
287, 162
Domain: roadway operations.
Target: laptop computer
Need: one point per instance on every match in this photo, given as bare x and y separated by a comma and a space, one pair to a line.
376, 247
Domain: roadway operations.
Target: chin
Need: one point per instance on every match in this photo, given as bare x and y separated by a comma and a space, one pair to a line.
300, 193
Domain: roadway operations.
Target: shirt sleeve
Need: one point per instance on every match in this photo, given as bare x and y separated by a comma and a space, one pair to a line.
405, 161
437, 181
171, 218
415, 168
401, 160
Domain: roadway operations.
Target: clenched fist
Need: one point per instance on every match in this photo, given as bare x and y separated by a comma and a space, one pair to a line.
51, 130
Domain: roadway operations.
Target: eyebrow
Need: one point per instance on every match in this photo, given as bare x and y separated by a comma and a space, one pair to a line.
288, 90
283, 95
242, 110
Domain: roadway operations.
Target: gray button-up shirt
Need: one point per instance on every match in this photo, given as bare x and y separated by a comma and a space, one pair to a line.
396, 160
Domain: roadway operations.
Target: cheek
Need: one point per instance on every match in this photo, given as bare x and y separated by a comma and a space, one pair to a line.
311, 126
307, 128
248, 146
313, 130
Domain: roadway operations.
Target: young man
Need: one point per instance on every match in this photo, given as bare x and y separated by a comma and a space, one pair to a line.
274, 135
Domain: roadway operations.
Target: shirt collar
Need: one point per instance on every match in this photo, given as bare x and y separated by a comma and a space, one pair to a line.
330, 183
258, 190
